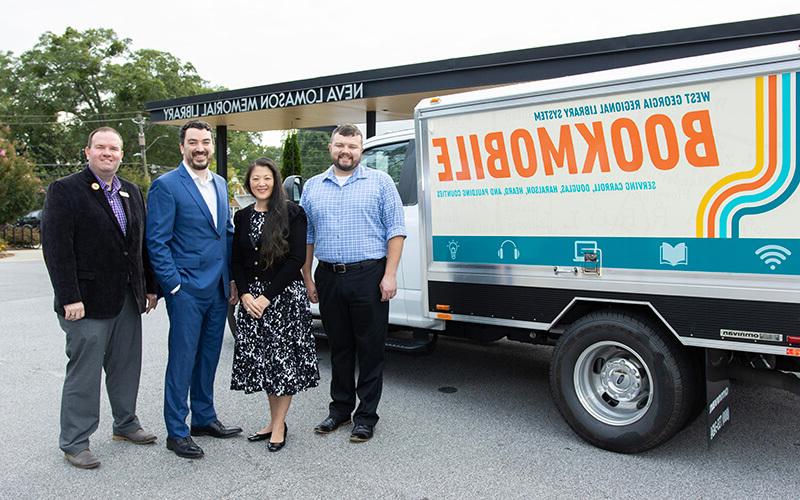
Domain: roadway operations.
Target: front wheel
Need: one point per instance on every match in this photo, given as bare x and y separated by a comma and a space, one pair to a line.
621, 383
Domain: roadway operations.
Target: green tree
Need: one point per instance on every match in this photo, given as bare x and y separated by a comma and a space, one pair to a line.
273, 152
244, 147
56, 93
63, 74
6, 66
93, 78
291, 163
151, 75
314, 151
20, 189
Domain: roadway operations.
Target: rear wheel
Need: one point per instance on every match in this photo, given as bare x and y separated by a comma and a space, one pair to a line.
620, 383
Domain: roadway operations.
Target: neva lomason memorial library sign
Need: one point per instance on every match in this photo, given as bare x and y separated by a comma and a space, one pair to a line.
314, 95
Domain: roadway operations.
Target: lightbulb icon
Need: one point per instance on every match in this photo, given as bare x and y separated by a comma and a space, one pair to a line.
453, 246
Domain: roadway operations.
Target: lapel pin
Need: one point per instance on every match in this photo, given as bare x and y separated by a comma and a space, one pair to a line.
124, 194
95, 186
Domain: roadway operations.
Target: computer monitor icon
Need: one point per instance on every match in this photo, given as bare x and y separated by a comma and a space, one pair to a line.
582, 247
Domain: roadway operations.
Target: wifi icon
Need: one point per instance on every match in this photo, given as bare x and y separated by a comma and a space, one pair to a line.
773, 255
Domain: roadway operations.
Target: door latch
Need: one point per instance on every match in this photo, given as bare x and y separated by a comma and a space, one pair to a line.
592, 261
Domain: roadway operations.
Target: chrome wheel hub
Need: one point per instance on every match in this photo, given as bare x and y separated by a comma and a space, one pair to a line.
613, 383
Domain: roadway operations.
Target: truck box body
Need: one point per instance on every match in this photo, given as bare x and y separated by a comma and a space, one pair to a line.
678, 190
645, 220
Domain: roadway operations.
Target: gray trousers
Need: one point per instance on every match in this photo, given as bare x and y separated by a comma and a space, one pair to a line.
94, 345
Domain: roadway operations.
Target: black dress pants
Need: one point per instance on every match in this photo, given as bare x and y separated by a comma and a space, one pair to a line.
356, 322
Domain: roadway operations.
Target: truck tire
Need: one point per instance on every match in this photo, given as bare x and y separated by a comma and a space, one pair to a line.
620, 383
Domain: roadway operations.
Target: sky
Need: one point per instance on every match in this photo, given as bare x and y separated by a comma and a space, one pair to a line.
238, 43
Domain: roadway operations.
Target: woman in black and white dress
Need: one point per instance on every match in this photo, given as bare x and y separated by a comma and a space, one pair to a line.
275, 349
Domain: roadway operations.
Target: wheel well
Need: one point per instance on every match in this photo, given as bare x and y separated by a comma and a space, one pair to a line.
580, 308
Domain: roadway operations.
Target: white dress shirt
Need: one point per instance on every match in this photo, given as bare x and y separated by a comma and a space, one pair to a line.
209, 193
207, 190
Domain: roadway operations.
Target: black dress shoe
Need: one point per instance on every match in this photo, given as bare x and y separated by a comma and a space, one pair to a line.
184, 447
215, 429
329, 425
272, 446
361, 433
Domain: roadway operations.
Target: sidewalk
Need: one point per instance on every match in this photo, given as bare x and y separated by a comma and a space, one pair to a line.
21, 255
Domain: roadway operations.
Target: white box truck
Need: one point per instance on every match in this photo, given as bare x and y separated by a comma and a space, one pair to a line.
645, 221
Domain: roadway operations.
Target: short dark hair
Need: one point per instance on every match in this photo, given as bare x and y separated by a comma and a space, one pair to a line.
347, 130
198, 124
102, 129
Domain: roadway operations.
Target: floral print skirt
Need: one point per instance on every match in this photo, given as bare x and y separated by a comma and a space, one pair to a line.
276, 353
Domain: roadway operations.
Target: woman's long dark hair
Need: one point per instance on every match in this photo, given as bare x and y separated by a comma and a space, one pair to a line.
275, 233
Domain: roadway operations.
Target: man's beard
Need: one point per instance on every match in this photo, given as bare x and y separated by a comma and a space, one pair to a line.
347, 168
199, 166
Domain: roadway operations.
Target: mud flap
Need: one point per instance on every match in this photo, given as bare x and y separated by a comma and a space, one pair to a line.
718, 412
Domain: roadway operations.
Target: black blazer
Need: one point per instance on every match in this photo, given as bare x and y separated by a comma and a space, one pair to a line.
246, 261
88, 257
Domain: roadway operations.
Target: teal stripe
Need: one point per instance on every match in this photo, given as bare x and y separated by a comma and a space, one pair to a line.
704, 254
792, 187
786, 141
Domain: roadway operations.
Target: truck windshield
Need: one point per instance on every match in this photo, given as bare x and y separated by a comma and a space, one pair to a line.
387, 158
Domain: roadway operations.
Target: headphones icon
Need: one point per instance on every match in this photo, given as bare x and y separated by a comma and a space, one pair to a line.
500, 252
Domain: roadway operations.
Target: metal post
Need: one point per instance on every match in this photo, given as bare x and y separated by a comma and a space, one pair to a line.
222, 151
143, 150
371, 119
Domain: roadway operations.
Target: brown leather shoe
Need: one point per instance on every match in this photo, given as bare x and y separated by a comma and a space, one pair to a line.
83, 460
139, 436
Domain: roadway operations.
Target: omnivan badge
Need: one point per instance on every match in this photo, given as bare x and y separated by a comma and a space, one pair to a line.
741, 334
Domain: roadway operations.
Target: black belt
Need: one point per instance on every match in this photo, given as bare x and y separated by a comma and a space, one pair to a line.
353, 266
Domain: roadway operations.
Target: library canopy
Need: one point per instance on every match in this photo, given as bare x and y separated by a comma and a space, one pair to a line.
388, 94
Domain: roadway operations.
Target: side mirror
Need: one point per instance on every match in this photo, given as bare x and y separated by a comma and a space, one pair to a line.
293, 185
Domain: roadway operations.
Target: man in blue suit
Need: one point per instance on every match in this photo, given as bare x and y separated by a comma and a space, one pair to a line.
189, 236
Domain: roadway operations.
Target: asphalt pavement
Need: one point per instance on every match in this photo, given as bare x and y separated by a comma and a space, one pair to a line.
498, 435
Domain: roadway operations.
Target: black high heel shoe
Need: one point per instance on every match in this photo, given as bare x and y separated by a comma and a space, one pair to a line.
258, 437
277, 446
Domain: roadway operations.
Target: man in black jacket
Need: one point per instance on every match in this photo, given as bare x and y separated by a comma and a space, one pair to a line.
92, 236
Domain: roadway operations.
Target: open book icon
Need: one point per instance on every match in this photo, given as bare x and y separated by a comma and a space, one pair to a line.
677, 255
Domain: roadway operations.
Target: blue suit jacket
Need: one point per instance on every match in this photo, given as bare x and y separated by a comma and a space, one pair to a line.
184, 245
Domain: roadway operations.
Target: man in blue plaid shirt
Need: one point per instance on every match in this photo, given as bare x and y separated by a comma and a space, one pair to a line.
356, 230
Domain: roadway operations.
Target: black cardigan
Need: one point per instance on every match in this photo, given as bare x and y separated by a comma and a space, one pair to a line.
246, 261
